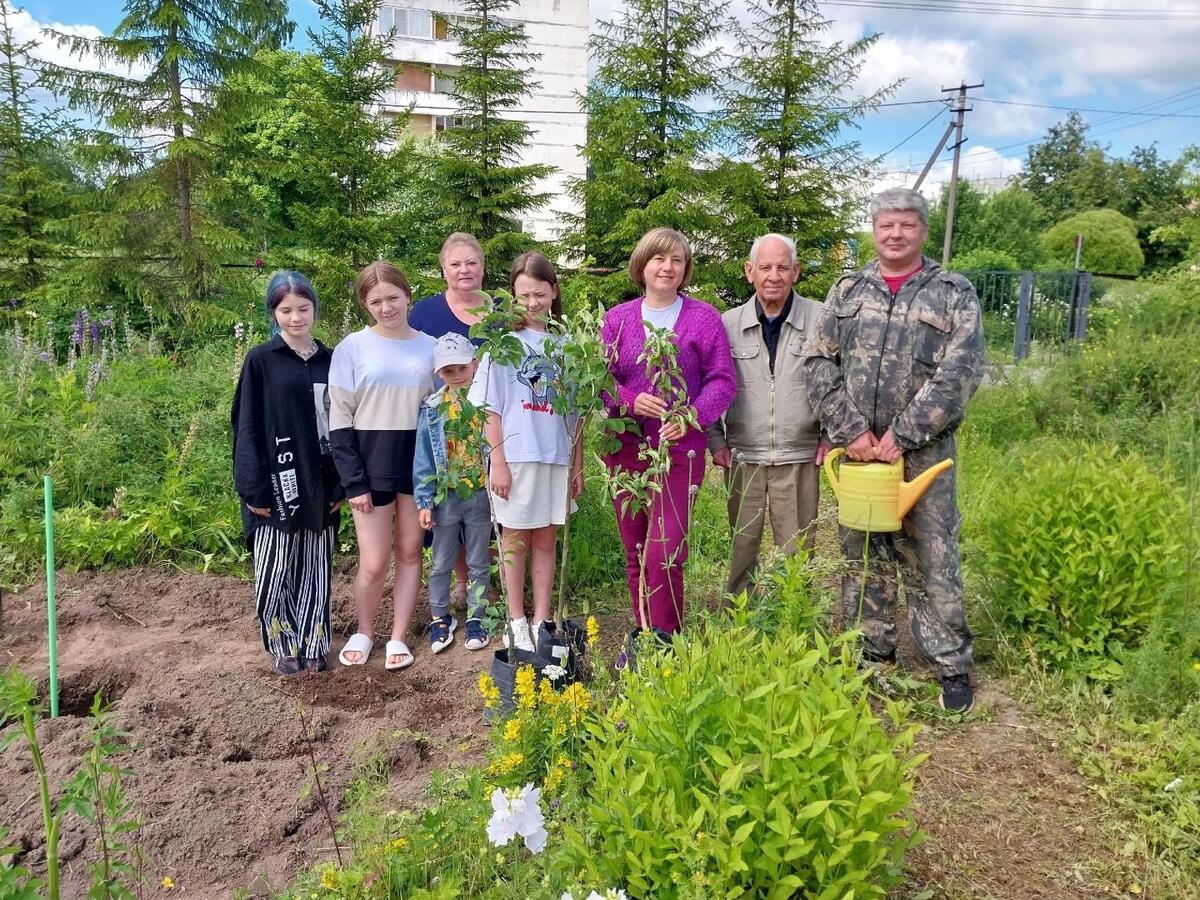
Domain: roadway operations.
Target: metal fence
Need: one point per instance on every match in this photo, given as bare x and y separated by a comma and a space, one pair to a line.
1032, 313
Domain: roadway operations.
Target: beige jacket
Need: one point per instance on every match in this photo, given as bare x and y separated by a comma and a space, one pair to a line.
770, 421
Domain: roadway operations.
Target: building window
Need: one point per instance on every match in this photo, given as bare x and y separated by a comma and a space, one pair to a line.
443, 80
409, 23
411, 77
445, 123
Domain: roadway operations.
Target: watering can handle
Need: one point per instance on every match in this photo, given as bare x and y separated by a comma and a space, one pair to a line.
833, 454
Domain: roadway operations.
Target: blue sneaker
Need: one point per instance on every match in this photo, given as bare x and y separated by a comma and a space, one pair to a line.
477, 636
441, 633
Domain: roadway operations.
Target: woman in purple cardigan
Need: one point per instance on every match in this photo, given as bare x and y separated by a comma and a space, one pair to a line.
661, 264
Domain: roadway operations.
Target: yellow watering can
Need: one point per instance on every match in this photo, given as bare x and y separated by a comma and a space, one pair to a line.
874, 496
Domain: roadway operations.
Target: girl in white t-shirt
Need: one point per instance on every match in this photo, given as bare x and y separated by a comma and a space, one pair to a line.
533, 471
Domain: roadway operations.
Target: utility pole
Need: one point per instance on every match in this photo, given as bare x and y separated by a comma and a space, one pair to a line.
960, 108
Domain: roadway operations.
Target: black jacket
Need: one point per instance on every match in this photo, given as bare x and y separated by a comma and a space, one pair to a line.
281, 458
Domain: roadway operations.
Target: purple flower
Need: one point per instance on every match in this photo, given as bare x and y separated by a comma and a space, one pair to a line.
555, 803
96, 333
621, 725
45, 357
78, 328
13, 303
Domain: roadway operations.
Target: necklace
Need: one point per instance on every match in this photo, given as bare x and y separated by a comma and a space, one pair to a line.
308, 352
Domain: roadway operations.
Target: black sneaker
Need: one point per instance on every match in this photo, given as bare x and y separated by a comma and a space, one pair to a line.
314, 664
441, 633
957, 696
477, 636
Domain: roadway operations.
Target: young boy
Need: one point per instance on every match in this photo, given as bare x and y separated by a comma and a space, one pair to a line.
455, 516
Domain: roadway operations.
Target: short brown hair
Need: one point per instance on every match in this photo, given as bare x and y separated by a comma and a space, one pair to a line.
381, 272
654, 242
535, 265
460, 237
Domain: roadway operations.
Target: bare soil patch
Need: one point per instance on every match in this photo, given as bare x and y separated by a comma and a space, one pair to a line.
219, 759
220, 762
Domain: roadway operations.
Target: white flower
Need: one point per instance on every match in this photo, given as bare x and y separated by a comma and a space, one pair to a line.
1173, 785
554, 673
516, 812
610, 894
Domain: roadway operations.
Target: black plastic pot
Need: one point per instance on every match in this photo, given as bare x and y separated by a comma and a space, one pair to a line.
505, 663
562, 646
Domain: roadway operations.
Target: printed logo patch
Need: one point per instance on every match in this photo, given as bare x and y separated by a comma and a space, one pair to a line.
287, 481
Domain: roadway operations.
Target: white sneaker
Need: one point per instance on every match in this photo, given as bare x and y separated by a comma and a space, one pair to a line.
519, 635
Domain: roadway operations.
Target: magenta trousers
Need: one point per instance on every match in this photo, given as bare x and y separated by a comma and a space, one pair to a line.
662, 530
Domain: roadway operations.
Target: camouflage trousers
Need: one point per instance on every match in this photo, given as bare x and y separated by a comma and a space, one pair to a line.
924, 558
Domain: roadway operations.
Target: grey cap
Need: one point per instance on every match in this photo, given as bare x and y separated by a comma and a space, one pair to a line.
452, 349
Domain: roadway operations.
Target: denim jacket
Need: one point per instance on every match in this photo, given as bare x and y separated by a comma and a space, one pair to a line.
430, 456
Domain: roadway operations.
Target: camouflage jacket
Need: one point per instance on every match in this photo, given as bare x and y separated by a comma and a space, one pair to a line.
909, 362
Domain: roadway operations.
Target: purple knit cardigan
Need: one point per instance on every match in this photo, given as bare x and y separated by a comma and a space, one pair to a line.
704, 359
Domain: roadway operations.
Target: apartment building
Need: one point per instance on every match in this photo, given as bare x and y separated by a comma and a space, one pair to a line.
423, 61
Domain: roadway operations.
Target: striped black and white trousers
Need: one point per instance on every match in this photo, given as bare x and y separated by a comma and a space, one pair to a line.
292, 574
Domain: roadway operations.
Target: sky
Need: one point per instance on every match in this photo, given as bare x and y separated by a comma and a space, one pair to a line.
1081, 61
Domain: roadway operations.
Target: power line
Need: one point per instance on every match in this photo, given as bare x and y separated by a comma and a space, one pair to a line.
914, 134
1085, 109
1037, 12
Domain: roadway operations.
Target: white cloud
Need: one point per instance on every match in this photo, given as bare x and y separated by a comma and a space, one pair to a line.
26, 28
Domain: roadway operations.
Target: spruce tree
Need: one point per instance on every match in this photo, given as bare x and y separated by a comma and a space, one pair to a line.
36, 186
790, 103
484, 185
155, 122
647, 138
352, 163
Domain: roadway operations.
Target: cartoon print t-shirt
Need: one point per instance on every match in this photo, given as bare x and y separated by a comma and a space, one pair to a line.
523, 396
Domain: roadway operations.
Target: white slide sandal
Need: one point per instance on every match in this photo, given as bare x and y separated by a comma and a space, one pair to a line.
359, 643
398, 648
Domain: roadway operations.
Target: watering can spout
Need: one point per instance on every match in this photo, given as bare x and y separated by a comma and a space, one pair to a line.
911, 491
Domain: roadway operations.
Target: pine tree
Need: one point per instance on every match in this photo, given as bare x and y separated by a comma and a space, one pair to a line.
155, 122
647, 141
790, 103
36, 185
485, 186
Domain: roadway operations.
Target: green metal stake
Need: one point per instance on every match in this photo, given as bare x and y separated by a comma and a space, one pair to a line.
51, 610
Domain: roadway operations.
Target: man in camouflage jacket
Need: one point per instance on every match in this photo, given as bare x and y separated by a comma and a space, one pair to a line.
896, 355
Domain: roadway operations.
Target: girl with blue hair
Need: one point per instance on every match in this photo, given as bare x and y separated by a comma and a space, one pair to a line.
283, 470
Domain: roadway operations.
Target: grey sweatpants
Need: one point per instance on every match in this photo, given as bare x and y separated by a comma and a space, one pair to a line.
471, 518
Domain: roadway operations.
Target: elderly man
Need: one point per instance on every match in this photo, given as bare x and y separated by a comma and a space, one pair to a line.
895, 356
768, 438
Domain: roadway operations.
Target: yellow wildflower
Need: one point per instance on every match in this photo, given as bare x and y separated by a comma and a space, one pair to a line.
512, 730
329, 878
577, 699
526, 698
1196, 666
547, 695
552, 780
168, 883
564, 761
593, 631
668, 672
489, 691
506, 763
400, 843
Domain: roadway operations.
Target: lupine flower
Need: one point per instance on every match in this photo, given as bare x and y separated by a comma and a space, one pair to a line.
96, 333
239, 330
45, 357
78, 327
516, 812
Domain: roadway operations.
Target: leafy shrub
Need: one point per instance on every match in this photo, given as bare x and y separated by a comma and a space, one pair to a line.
1078, 552
982, 259
1110, 242
748, 765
